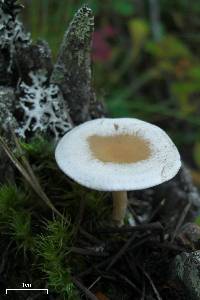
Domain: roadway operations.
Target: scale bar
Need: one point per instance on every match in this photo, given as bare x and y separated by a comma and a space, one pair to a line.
27, 290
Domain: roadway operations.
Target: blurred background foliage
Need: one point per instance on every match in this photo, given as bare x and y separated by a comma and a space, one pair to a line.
146, 60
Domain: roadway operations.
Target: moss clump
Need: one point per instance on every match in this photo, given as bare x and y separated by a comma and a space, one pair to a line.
11, 198
53, 249
39, 237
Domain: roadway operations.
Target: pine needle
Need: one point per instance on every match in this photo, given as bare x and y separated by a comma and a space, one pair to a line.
27, 172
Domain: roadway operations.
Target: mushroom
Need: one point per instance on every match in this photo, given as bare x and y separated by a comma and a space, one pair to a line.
118, 155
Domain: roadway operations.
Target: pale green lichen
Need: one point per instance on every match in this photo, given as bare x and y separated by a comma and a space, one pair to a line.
7, 100
11, 29
187, 270
72, 71
42, 108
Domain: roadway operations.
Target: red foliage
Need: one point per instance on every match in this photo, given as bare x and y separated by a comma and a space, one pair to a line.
102, 50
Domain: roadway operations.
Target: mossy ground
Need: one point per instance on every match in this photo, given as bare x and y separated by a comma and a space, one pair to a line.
35, 241
73, 249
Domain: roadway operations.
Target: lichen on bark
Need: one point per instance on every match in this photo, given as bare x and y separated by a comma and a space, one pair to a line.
40, 105
7, 121
72, 71
12, 33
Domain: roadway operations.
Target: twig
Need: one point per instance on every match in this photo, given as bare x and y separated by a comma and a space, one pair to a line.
94, 267
156, 210
131, 265
152, 284
120, 253
123, 277
79, 217
90, 237
143, 291
89, 294
93, 284
88, 252
29, 177
181, 220
124, 229
139, 243
166, 245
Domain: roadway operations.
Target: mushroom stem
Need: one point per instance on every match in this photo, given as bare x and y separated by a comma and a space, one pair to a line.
120, 202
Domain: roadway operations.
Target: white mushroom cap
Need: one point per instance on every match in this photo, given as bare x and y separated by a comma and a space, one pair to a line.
76, 159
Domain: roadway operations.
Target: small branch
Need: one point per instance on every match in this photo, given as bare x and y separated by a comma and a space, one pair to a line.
123, 277
79, 217
181, 220
94, 268
89, 252
90, 237
166, 245
121, 252
157, 209
89, 294
143, 291
139, 228
153, 285
29, 175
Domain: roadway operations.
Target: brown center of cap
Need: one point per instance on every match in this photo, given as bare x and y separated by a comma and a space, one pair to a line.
119, 148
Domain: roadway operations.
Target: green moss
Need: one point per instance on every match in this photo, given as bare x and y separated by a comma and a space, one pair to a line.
32, 228
53, 248
11, 197
38, 146
20, 228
